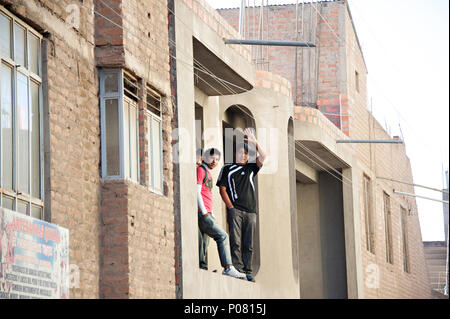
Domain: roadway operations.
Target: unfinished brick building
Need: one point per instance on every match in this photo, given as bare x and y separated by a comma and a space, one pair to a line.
117, 89
329, 86
105, 111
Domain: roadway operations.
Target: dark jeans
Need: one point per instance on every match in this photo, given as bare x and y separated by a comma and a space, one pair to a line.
242, 228
208, 226
203, 242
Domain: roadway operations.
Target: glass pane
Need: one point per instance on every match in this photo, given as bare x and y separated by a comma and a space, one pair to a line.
150, 151
23, 130
5, 35
19, 44
126, 137
7, 202
112, 138
33, 53
111, 83
7, 127
35, 142
156, 143
133, 143
36, 212
22, 207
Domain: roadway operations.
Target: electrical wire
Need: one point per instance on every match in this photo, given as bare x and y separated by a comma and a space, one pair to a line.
224, 82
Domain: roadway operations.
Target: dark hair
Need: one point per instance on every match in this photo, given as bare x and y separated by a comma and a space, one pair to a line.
212, 151
244, 146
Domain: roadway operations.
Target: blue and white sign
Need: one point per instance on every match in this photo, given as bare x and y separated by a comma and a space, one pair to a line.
34, 258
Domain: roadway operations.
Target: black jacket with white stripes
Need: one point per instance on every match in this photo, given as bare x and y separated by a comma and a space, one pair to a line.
240, 185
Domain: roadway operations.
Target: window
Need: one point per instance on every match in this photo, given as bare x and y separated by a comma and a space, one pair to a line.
131, 128
154, 138
404, 223
370, 236
120, 125
21, 187
357, 81
388, 228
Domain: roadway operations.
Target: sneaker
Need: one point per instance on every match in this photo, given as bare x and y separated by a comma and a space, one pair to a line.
250, 278
231, 271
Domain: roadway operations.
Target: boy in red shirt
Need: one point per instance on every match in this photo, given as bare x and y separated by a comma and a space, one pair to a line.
206, 220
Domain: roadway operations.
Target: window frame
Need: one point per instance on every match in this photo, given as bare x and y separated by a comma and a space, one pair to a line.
387, 208
368, 214
124, 172
128, 168
9, 61
150, 116
405, 245
357, 81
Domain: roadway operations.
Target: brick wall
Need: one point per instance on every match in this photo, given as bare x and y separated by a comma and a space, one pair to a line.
137, 223
218, 24
109, 49
326, 79
114, 254
121, 234
137, 243
383, 160
318, 80
391, 161
151, 245
71, 130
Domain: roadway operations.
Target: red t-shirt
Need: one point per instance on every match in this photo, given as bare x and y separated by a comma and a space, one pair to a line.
206, 187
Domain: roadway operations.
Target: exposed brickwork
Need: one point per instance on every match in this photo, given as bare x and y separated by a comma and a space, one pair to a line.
109, 33
121, 234
384, 160
74, 158
320, 69
391, 161
216, 22
135, 231
151, 245
272, 81
71, 123
326, 79
115, 263
146, 267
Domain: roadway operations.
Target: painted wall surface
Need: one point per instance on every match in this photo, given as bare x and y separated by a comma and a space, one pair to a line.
333, 78
271, 112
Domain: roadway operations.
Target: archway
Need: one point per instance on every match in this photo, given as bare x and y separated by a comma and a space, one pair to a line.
235, 119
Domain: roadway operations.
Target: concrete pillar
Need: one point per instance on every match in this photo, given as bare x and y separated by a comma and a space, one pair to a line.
350, 194
310, 254
185, 147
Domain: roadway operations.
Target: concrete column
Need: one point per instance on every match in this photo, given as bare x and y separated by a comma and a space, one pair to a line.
185, 147
310, 253
355, 288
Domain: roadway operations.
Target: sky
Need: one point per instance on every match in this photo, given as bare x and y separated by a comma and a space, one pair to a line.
405, 44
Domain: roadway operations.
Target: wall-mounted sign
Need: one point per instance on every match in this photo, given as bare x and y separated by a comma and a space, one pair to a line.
34, 258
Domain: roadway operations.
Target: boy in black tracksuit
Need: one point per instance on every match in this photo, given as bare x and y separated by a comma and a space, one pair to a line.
237, 189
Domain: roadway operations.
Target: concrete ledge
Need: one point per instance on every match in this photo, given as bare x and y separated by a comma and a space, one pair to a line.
319, 135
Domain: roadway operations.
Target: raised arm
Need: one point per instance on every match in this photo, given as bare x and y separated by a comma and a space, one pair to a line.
252, 139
